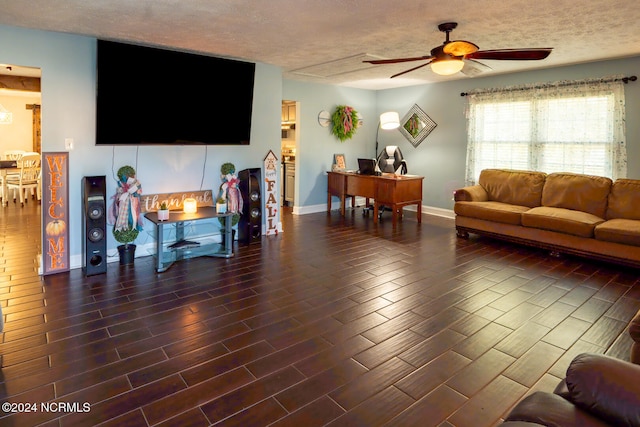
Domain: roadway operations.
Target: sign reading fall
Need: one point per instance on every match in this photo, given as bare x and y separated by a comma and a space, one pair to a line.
270, 187
55, 212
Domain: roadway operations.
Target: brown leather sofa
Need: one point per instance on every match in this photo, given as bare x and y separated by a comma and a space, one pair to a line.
570, 213
597, 391
634, 331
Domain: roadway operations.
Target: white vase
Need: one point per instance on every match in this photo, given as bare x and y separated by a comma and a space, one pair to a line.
163, 214
221, 208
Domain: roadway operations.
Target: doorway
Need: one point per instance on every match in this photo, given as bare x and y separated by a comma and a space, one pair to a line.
20, 130
289, 147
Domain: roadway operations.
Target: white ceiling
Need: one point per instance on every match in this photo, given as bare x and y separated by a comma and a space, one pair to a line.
325, 41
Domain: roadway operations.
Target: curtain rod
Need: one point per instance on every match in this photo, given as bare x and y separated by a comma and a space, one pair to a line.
625, 80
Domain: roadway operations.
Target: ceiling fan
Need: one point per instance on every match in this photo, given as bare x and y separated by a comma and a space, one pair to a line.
451, 56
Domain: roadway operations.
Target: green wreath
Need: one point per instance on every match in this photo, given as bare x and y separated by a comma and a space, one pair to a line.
345, 122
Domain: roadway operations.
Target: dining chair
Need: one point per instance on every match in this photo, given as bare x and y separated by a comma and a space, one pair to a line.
27, 178
13, 154
31, 153
9, 155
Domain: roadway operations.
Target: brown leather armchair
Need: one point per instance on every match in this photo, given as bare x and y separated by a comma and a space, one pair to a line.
598, 391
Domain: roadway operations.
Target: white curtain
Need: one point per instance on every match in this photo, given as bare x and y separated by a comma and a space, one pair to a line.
558, 127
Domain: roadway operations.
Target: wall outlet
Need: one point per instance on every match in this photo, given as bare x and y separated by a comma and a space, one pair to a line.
68, 143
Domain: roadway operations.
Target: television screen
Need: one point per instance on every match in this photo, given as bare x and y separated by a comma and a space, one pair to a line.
148, 95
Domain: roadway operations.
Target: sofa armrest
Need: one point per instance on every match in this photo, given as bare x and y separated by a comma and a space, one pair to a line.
634, 331
473, 193
606, 387
548, 409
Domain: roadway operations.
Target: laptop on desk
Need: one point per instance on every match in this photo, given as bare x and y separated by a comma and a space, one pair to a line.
366, 166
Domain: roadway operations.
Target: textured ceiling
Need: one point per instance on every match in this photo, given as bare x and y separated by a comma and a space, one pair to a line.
325, 41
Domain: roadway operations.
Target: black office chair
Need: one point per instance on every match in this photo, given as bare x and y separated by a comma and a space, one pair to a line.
390, 160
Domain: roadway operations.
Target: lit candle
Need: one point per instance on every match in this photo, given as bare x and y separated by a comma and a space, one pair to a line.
190, 205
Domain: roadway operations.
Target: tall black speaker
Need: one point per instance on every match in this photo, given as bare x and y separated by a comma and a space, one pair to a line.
250, 224
94, 218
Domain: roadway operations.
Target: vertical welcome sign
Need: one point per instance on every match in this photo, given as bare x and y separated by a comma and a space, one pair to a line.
55, 212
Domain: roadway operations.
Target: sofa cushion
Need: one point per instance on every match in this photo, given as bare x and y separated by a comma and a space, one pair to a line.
625, 231
491, 211
521, 188
624, 199
584, 193
562, 220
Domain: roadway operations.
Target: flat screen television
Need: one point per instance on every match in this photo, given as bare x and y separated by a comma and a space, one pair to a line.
149, 95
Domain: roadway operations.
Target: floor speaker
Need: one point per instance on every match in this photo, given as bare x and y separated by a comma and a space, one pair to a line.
250, 224
94, 218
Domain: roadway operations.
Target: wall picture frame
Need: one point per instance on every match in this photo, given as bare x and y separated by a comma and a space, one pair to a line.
340, 162
416, 125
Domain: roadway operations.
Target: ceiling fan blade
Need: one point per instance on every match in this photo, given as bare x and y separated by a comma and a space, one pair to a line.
411, 69
460, 48
473, 68
511, 54
397, 60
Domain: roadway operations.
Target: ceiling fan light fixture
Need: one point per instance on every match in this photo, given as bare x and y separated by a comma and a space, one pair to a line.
446, 67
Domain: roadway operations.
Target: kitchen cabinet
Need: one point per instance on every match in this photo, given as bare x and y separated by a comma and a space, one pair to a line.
288, 112
289, 182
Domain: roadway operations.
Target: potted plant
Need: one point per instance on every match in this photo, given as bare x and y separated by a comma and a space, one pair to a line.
163, 212
125, 214
230, 194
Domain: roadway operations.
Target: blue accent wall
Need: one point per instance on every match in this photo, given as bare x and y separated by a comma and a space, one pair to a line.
68, 99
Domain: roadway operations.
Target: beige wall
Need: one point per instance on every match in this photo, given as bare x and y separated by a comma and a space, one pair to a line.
19, 134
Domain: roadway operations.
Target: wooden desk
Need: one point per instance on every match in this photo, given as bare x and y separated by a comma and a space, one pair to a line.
337, 187
394, 191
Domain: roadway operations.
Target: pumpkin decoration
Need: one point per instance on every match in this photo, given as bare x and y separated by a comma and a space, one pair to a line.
57, 227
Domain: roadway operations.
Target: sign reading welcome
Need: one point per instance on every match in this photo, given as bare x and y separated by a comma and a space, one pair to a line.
55, 212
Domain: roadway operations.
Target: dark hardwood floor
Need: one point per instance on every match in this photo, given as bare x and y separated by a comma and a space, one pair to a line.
336, 322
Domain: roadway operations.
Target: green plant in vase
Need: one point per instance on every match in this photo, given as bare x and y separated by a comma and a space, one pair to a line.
163, 212
221, 205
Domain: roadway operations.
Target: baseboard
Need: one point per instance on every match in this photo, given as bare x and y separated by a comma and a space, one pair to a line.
427, 210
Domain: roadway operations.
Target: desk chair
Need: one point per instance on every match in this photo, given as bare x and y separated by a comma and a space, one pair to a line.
27, 178
390, 160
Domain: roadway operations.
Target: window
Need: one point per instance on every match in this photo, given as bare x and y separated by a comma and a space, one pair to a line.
563, 127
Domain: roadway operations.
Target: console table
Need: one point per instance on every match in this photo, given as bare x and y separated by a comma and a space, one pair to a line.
394, 191
169, 250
